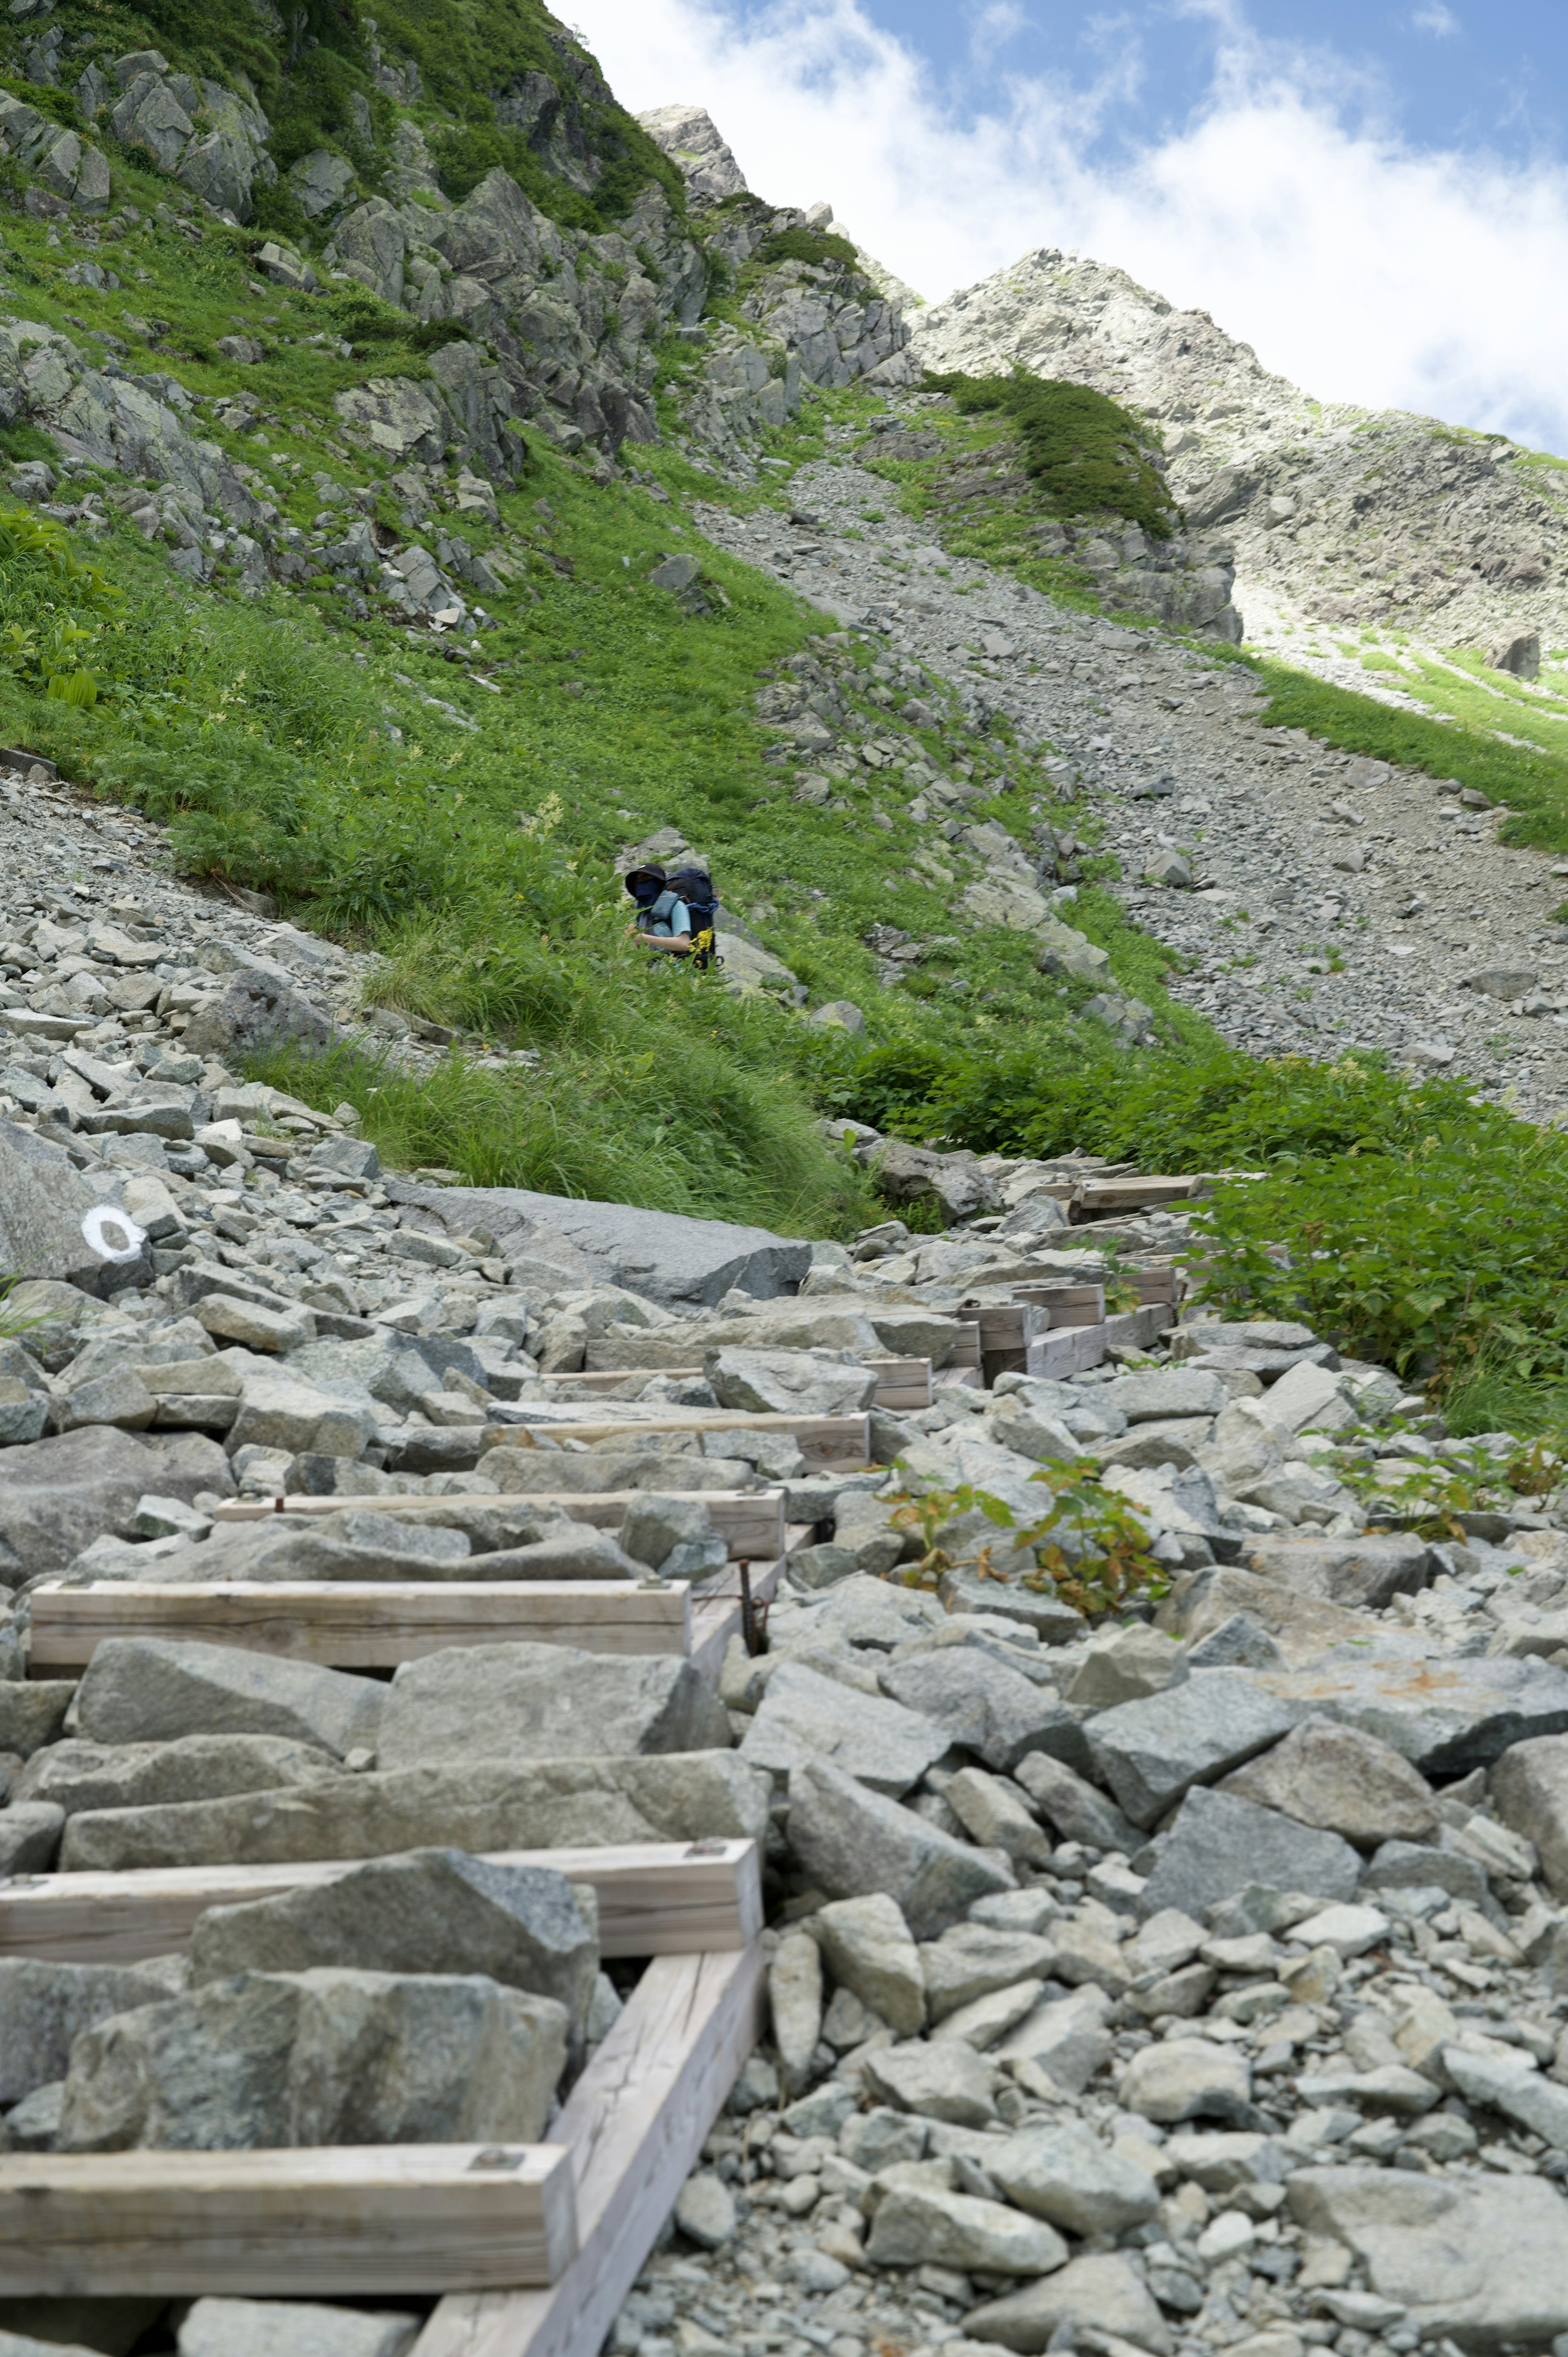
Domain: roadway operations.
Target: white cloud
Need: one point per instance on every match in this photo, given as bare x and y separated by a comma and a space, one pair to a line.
1362, 266
1435, 18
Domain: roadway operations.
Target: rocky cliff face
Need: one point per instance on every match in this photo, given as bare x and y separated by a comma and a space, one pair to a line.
1337, 514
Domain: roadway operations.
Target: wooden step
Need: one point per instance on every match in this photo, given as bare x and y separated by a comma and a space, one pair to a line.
635, 2124
311, 2221
1065, 1304
901, 1383
824, 1439
751, 1522
357, 1624
655, 1898
1096, 1197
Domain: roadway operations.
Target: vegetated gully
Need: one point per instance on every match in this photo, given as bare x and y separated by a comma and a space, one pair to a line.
1336, 903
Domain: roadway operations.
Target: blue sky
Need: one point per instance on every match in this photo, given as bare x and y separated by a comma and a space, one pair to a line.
1454, 74
1376, 198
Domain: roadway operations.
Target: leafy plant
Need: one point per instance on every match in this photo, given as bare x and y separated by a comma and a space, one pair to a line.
812, 245
1084, 449
1088, 1544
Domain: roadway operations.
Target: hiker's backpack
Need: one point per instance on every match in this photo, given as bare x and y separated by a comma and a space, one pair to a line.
695, 887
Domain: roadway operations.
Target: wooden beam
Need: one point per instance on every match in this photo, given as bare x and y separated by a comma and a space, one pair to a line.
901, 1383
824, 1439
311, 2221
751, 1522
357, 1624
635, 2124
655, 1898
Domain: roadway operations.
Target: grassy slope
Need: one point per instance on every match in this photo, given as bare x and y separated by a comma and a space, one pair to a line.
477, 859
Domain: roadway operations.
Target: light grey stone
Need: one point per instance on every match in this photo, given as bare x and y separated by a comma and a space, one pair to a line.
1528, 1790
1170, 1392
1483, 2261
1125, 1666
1077, 1810
148, 1689
78, 1774
44, 2007
30, 1833
58, 1494
848, 1840
1062, 2172
705, 2211
992, 1815
804, 1717
788, 1382
1518, 2090
478, 1805
55, 1224
1101, 2292
976, 1701
972, 1961
32, 1713
544, 1702
1363, 1573
673, 1536
1067, 2038
866, 1946
279, 1411
291, 2327
1342, 1781
795, 2002
942, 2080
1219, 1842
318, 2058
659, 1254
435, 1910
1446, 1716
1187, 2079
1153, 1752
923, 2226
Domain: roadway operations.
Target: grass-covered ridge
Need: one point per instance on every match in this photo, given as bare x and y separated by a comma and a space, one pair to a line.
1083, 450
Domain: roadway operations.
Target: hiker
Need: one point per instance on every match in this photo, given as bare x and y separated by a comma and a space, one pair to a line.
662, 917
675, 913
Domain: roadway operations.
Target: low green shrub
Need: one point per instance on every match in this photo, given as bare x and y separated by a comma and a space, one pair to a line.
1084, 450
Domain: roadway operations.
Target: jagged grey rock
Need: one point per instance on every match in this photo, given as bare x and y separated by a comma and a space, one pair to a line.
1151, 1752
656, 1253
978, 1703
924, 2226
58, 1494
78, 1774
942, 2080
849, 1840
44, 2007
1364, 1574
318, 2058
788, 1382
804, 1715
436, 1911
1065, 2173
867, 1947
1103, 2292
1529, 1788
1067, 2038
481, 1805
972, 1960
1218, 1843
1187, 2079
146, 1689
54, 1224
1076, 1807
1448, 1716
544, 1702
1342, 1781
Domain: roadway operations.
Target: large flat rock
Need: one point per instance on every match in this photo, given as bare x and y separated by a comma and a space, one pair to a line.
1484, 2261
54, 1224
1445, 1715
658, 1253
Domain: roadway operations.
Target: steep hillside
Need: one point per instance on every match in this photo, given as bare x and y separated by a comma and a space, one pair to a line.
1339, 515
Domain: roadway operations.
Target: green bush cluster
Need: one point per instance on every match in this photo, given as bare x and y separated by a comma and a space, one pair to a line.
811, 245
1084, 450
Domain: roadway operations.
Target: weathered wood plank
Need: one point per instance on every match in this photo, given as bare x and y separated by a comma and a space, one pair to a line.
751, 1522
898, 1380
635, 2124
655, 1898
315, 2220
824, 1439
352, 1624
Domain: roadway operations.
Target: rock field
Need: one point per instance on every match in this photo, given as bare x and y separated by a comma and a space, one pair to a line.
1190, 1978
1324, 901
